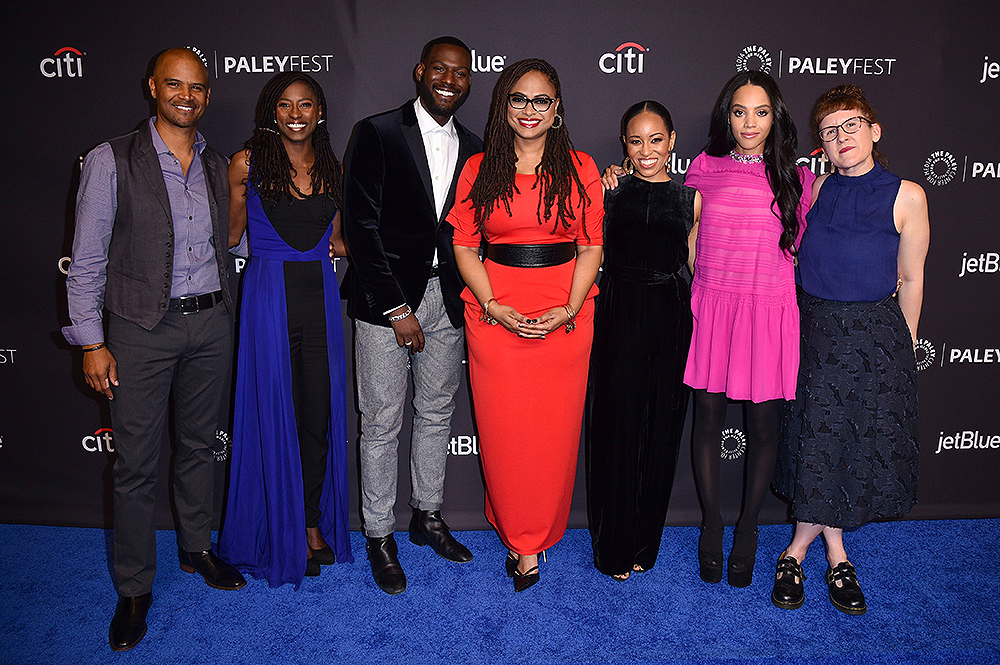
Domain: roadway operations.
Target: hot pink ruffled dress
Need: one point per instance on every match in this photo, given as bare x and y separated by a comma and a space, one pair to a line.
746, 322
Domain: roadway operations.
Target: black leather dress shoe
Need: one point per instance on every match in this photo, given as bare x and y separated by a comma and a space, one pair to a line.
788, 593
128, 625
427, 528
312, 567
847, 596
217, 573
388, 574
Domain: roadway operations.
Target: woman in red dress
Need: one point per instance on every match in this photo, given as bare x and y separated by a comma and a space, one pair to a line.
529, 307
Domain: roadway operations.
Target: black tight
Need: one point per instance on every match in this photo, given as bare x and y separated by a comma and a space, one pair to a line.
762, 451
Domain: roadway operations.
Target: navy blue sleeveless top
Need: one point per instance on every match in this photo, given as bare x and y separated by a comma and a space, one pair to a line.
850, 245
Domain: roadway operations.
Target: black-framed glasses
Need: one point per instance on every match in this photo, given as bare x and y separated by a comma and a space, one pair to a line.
849, 126
519, 101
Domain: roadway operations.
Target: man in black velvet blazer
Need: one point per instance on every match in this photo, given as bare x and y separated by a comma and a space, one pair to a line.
403, 292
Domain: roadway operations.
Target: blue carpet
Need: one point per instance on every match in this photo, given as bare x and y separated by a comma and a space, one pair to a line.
933, 594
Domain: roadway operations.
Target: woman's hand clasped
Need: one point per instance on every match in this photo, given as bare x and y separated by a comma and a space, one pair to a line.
549, 322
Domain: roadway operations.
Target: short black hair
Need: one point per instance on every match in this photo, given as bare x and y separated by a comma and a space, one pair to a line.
453, 41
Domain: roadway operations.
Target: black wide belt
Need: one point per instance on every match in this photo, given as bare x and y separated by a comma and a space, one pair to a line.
532, 256
192, 304
643, 275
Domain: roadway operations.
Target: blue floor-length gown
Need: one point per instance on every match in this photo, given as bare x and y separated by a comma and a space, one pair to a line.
264, 534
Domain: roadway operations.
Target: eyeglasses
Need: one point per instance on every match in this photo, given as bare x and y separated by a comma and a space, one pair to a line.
849, 126
519, 101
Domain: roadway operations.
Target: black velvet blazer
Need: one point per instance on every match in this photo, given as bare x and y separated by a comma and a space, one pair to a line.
389, 219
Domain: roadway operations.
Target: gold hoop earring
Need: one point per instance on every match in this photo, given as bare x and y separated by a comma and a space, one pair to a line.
627, 166
558, 120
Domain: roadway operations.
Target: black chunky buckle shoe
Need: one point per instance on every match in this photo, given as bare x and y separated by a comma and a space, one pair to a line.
788, 593
845, 596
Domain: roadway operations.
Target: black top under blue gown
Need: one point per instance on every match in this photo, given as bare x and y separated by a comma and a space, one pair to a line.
636, 401
264, 533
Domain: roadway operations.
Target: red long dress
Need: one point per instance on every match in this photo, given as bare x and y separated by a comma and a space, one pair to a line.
529, 393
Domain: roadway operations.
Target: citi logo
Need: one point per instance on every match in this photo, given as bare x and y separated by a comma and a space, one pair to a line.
940, 168
626, 59
488, 63
967, 440
816, 162
925, 354
67, 61
734, 443
7, 356
987, 262
102, 440
463, 445
991, 70
753, 54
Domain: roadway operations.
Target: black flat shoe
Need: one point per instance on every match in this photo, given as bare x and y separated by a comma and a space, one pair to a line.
788, 593
510, 563
427, 528
710, 554
388, 574
217, 573
525, 580
312, 568
128, 625
846, 596
323, 556
742, 558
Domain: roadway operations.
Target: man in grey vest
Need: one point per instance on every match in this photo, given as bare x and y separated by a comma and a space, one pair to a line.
150, 248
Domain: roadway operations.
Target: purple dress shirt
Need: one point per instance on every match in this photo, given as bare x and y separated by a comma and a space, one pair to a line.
195, 271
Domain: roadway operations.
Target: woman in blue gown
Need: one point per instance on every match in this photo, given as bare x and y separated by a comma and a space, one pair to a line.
287, 506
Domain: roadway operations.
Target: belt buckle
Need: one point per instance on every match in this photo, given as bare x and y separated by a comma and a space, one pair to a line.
188, 305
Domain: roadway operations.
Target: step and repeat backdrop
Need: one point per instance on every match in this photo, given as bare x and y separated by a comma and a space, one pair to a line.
77, 76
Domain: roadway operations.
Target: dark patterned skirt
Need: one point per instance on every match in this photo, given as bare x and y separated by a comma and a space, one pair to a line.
849, 440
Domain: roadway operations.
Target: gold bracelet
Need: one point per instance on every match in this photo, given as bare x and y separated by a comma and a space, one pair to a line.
485, 316
571, 324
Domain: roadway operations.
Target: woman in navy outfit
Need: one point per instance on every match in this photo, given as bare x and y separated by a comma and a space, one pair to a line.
849, 440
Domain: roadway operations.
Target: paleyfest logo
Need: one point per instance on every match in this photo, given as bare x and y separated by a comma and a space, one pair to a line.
940, 168
753, 53
67, 61
626, 59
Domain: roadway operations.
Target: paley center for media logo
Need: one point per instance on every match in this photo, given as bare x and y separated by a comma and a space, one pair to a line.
626, 59
759, 58
67, 61
927, 355
734, 443
941, 167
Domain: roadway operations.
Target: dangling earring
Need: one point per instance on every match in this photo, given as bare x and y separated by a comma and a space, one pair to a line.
666, 162
321, 121
627, 166
558, 122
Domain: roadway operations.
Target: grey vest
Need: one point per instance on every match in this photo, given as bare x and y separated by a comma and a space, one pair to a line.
141, 253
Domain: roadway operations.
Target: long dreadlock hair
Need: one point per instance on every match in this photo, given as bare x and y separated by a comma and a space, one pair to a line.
270, 168
779, 150
555, 174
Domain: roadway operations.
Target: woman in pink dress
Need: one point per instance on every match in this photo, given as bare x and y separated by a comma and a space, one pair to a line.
745, 344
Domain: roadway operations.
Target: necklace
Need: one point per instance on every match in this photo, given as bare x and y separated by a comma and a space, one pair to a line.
746, 159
